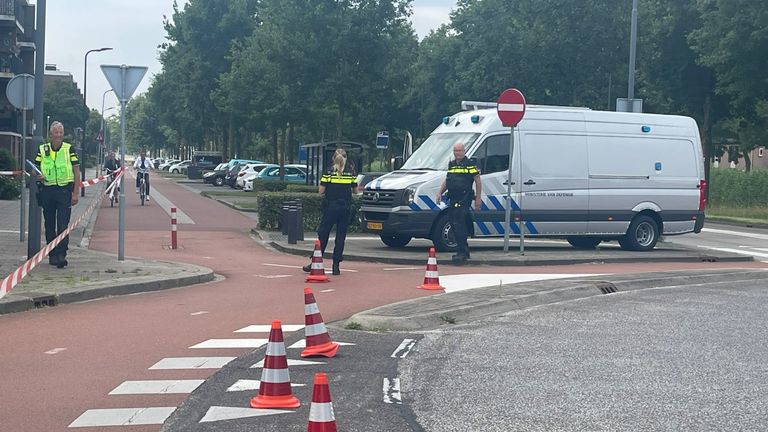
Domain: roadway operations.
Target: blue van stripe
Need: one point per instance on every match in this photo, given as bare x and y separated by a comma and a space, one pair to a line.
415, 207
531, 228
428, 201
484, 229
495, 202
499, 227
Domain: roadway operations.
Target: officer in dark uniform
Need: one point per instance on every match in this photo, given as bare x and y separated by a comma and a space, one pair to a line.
336, 186
458, 182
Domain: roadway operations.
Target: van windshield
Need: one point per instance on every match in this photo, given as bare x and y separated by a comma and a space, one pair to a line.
437, 151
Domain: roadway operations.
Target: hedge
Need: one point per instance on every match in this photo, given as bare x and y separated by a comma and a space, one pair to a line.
10, 188
735, 188
270, 206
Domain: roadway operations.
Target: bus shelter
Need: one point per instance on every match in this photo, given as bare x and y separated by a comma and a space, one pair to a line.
320, 157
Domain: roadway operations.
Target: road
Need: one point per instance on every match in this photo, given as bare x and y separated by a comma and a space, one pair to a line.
726, 238
73, 360
686, 358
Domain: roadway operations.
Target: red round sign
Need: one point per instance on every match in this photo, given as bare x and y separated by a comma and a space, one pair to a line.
511, 107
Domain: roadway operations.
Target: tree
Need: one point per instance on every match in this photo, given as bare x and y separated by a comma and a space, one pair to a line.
63, 102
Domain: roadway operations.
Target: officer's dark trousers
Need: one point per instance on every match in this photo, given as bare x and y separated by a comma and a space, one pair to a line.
336, 213
57, 209
460, 217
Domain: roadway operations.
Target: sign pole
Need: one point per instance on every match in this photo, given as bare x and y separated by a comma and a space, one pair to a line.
23, 163
511, 108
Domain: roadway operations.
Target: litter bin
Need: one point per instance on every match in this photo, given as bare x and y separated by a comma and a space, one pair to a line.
194, 173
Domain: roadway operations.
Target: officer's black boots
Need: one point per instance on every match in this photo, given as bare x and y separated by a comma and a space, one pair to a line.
307, 268
336, 270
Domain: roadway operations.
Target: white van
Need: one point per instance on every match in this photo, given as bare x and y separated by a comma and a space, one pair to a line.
586, 176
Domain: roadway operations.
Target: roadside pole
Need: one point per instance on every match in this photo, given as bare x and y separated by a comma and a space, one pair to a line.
510, 108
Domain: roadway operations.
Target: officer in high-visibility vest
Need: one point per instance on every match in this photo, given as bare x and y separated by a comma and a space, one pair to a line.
462, 173
336, 186
60, 189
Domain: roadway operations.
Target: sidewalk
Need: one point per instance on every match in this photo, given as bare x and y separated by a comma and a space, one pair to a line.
90, 274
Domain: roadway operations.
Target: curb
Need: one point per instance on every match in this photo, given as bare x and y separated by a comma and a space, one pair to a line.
431, 312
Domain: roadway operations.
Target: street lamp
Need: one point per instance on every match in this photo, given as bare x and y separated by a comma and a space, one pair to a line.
85, 106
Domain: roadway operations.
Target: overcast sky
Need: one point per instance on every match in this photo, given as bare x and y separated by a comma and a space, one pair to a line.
134, 28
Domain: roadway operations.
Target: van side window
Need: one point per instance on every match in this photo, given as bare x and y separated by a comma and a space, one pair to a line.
493, 154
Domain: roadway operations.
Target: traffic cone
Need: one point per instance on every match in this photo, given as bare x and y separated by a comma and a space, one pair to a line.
317, 272
321, 418
318, 340
275, 387
431, 279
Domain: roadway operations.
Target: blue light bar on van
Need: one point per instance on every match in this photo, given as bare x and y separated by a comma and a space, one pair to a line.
646, 129
446, 119
476, 119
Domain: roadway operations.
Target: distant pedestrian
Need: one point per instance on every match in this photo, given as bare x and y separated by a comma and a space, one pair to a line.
462, 173
60, 180
336, 187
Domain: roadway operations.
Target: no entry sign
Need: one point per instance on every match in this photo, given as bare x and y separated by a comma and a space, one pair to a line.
511, 107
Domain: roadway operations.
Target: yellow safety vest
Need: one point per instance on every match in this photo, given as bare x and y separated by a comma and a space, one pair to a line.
57, 165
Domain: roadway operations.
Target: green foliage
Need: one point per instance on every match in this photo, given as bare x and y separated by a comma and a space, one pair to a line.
10, 189
270, 206
736, 188
293, 187
7, 161
63, 102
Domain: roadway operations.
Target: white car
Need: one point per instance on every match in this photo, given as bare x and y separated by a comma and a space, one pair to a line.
249, 170
167, 164
179, 168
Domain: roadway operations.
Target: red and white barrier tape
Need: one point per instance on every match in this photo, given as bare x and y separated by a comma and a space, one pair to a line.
10, 173
20, 273
98, 179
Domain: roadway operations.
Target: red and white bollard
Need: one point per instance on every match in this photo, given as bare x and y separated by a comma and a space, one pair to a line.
173, 227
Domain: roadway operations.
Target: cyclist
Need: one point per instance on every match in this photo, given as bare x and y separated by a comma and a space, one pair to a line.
142, 167
111, 165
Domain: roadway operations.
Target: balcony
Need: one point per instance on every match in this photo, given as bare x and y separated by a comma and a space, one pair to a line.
11, 13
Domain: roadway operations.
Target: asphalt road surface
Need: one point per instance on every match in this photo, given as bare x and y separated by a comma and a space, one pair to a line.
679, 359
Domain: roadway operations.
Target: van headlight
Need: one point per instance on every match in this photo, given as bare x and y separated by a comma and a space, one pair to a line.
409, 195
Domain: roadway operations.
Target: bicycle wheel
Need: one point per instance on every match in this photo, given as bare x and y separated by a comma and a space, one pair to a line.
143, 190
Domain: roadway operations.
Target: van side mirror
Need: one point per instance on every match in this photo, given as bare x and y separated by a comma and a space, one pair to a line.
397, 162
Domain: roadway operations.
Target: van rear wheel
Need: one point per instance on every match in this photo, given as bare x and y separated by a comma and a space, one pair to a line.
396, 241
442, 234
584, 242
642, 235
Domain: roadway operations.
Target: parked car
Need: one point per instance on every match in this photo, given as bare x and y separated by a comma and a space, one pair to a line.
292, 174
167, 164
231, 178
180, 168
249, 171
216, 177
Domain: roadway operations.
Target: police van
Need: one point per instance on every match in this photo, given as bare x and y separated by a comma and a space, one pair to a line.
582, 175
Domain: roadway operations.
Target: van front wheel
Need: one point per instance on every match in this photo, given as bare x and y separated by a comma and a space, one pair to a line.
442, 234
584, 242
395, 241
642, 235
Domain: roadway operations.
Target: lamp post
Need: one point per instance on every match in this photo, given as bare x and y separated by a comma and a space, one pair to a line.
101, 129
85, 107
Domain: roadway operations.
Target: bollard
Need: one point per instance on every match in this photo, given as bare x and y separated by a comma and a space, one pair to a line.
284, 217
173, 228
291, 217
300, 220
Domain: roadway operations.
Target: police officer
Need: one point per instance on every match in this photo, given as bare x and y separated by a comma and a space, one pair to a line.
458, 182
60, 189
336, 186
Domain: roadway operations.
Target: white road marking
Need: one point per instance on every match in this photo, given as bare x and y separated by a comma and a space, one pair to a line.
163, 202
157, 387
281, 265
272, 276
455, 283
243, 385
302, 343
737, 233
231, 343
219, 413
402, 268
737, 251
327, 290
55, 351
199, 313
123, 417
392, 391
266, 328
404, 348
192, 363
291, 362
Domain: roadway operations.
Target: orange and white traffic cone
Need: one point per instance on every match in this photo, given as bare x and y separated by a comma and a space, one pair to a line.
318, 340
317, 271
321, 418
275, 387
431, 279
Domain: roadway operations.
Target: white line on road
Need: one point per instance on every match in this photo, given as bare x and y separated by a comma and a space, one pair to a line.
404, 348
164, 203
291, 362
737, 251
402, 268
455, 283
392, 391
736, 233
55, 351
123, 417
219, 413
244, 384
157, 387
266, 328
192, 363
231, 343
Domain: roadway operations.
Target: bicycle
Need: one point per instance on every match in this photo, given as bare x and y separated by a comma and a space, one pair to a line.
113, 196
143, 173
